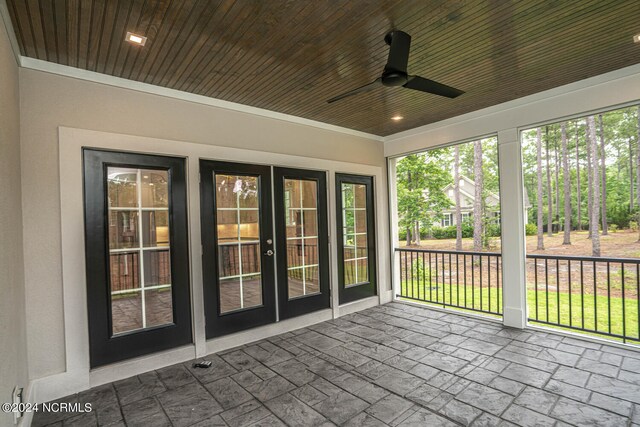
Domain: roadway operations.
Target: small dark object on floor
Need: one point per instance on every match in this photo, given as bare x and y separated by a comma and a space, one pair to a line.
204, 364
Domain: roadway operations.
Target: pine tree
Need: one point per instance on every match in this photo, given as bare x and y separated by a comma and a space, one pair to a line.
549, 198
578, 189
567, 186
603, 159
478, 214
638, 159
594, 220
456, 189
539, 192
589, 175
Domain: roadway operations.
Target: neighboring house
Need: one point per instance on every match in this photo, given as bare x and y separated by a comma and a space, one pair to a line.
467, 192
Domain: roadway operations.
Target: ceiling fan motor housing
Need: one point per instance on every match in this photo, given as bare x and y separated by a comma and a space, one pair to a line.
392, 77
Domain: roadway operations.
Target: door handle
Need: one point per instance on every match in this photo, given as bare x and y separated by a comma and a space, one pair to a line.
269, 252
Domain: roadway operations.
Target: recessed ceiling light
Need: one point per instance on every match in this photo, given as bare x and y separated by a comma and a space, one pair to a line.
636, 38
397, 118
135, 39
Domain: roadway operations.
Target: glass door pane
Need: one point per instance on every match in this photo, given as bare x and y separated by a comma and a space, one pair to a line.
356, 237
139, 249
238, 226
354, 217
302, 237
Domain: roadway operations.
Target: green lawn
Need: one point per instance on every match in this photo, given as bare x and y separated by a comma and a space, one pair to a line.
571, 312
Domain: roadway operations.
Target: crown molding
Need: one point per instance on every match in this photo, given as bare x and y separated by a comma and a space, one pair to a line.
77, 73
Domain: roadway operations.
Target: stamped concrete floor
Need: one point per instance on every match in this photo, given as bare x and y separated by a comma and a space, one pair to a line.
397, 365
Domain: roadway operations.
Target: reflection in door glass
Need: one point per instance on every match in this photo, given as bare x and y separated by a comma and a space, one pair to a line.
139, 258
238, 226
302, 237
354, 222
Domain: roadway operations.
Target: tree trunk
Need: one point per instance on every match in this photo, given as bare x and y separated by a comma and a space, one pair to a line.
409, 226
603, 161
638, 161
456, 189
477, 203
549, 198
417, 235
589, 177
539, 192
594, 222
579, 189
567, 186
557, 184
631, 174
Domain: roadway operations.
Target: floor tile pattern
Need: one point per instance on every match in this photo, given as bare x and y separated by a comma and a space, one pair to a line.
391, 365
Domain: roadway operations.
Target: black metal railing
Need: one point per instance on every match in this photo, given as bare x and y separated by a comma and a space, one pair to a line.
469, 280
590, 294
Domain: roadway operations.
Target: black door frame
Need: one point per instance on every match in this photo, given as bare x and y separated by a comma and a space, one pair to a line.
288, 308
222, 324
104, 348
365, 289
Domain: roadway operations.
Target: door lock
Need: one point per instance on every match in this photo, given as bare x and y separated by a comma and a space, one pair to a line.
269, 253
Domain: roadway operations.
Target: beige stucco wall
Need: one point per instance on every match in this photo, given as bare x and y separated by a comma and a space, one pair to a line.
13, 366
49, 101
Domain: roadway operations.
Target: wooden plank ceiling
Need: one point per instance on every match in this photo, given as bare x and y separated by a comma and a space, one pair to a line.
291, 56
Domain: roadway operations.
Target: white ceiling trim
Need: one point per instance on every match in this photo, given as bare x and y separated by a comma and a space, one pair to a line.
490, 113
77, 73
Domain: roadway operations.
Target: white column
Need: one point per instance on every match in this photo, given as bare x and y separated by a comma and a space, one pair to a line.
393, 231
514, 301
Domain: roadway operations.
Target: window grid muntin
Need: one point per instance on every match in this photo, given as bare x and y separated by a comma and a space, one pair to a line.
240, 243
303, 266
140, 249
345, 235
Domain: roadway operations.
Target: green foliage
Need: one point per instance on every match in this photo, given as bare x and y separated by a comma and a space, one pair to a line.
420, 184
633, 225
450, 231
621, 141
492, 230
531, 229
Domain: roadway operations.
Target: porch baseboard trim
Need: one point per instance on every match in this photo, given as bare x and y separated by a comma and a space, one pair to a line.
59, 385
245, 337
359, 305
139, 365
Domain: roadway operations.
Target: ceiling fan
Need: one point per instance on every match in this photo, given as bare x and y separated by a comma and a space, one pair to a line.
395, 72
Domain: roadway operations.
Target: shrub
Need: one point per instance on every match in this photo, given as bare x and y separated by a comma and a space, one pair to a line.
531, 229
633, 225
493, 230
444, 232
613, 228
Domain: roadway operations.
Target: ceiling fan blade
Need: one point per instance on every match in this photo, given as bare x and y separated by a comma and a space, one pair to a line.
356, 91
400, 43
430, 86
